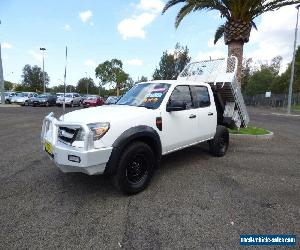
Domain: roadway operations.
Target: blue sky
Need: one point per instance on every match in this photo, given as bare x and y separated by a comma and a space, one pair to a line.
133, 31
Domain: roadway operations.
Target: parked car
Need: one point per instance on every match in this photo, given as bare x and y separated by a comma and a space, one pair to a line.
23, 98
59, 95
71, 99
92, 101
8, 95
46, 99
111, 100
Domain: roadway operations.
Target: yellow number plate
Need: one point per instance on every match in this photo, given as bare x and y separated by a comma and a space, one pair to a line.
48, 148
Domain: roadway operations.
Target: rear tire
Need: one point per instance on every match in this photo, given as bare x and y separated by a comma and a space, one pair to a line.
135, 168
219, 145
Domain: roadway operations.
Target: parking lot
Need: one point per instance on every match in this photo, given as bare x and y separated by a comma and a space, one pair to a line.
193, 201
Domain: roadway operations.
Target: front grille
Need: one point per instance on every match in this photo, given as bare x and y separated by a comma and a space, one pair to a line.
67, 135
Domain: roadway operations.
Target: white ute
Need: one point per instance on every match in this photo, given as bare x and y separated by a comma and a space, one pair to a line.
127, 140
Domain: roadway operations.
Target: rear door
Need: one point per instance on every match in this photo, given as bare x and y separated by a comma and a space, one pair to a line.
205, 110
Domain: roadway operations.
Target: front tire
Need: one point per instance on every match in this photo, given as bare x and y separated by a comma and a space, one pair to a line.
219, 145
135, 168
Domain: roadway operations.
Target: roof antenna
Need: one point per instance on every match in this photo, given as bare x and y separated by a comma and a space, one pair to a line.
65, 77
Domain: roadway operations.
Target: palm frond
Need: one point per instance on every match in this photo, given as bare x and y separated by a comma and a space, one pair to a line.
171, 3
219, 33
184, 11
273, 5
254, 25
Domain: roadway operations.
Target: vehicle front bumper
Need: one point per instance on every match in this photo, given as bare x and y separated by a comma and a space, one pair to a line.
62, 102
92, 161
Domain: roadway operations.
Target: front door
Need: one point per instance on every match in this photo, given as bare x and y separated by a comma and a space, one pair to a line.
179, 127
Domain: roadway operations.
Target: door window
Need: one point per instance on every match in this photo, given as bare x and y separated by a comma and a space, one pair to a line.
200, 96
182, 94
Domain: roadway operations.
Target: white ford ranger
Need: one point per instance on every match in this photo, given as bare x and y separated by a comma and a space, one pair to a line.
127, 140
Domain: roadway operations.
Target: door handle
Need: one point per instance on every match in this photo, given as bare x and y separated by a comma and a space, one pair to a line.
192, 116
210, 113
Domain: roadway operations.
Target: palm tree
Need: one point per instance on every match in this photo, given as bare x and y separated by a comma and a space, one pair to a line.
239, 15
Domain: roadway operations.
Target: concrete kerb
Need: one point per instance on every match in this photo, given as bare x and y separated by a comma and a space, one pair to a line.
255, 137
9, 106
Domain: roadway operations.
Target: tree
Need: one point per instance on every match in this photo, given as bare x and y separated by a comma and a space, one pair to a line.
33, 78
282, 83
264, 78
8, 85
58, 89
239, 15
171, 64
86, 85
112, 73
143, 79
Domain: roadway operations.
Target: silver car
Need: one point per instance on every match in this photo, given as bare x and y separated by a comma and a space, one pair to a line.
71, 99
23, 98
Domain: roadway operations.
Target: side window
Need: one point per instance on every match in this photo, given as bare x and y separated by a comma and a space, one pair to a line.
200, 96
182, 94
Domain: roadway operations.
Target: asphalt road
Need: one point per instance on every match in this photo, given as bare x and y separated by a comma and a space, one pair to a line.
194, 200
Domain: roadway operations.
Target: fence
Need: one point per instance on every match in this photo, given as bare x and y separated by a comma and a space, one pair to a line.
276, 100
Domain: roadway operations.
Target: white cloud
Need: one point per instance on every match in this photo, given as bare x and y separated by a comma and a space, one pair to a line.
134, 26
67, 27
90, 63
36, 55
6, 45
135, 62
275, 35
85, 16
151, 5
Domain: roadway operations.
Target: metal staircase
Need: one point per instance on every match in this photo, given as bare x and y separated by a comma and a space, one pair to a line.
221, 75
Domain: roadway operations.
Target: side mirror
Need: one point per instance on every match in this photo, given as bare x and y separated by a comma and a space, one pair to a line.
176, 106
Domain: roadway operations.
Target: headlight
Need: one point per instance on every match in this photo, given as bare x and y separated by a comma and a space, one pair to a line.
99, 129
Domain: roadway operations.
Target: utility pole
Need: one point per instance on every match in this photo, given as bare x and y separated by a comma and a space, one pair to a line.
43, 50
293, 65
1, 79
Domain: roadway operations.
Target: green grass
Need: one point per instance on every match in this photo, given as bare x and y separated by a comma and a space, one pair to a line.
249, 131
296, 108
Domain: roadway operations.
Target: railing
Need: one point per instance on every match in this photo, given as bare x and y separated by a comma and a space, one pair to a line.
220, 73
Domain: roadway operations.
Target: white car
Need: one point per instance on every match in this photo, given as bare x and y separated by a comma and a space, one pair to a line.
71, 99
23, 98
7, 96
128, 139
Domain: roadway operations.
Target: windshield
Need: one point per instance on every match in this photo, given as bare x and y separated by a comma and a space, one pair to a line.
69, 95
22, 94
148, 95
111, 99
42, 96
91, 98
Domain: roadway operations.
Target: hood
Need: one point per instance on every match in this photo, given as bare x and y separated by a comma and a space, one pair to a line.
111, 113
40, 99
92, 101
20, 99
